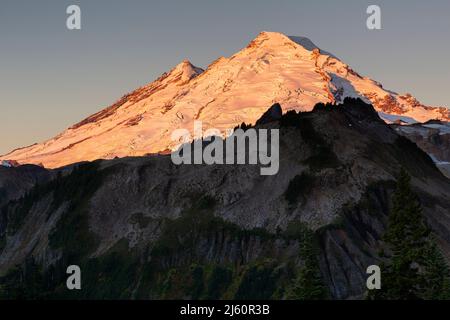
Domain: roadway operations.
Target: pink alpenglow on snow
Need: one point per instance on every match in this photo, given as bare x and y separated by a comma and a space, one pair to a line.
273, 68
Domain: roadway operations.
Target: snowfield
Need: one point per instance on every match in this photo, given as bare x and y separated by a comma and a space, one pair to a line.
272, 68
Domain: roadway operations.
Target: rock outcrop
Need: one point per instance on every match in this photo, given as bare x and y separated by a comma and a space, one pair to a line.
145, 228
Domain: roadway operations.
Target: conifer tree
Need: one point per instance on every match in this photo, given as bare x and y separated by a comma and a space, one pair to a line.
415, 268
308, 284
437, 274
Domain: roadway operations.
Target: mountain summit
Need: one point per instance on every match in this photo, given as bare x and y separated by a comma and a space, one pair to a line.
273, 68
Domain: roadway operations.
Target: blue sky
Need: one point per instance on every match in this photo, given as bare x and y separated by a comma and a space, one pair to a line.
51, 77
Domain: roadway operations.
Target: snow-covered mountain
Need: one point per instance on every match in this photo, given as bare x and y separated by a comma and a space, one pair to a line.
433, 137
272, 68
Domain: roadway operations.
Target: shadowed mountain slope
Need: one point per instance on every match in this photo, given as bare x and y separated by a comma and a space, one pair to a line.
146, 228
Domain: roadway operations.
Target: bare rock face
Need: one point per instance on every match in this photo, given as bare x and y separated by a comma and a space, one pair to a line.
152, 229
16, 181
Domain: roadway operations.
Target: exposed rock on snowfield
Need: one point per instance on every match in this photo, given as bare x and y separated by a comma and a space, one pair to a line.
272, 68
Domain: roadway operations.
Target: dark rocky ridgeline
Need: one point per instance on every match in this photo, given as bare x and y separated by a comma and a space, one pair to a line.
15, 181
144, 228
274, 113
